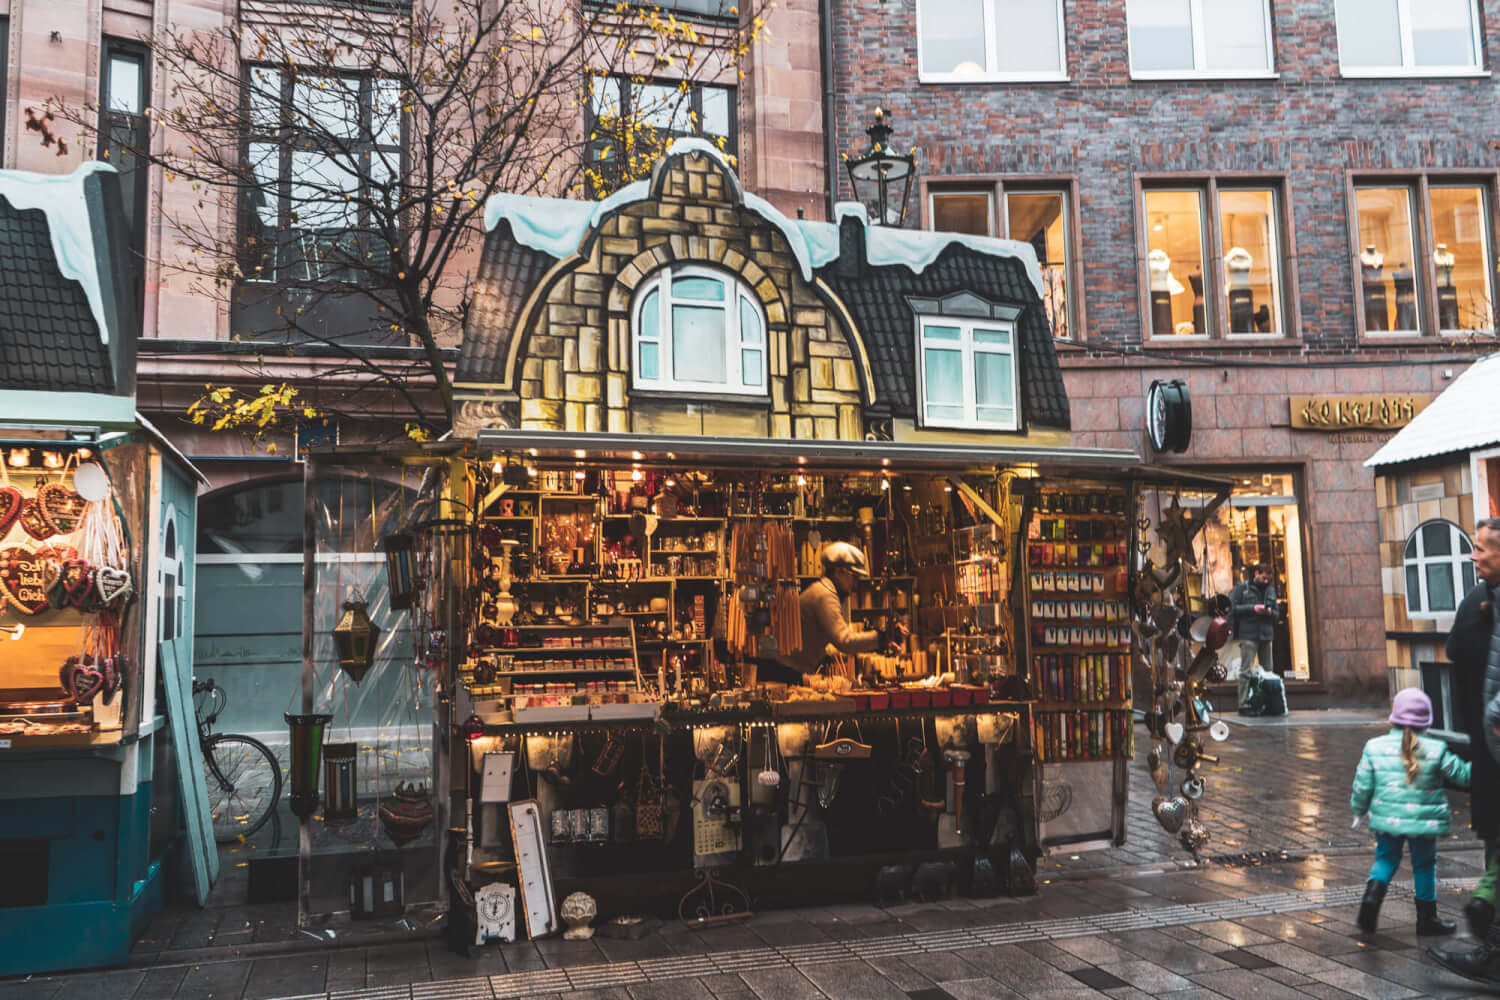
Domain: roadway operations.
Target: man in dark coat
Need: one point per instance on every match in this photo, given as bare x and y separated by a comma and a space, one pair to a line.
1474, 648
1253, 602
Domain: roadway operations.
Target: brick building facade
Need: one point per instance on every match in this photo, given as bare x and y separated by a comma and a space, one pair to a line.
1308, 126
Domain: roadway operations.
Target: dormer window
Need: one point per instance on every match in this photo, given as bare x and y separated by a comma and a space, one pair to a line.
966, 363
698, 330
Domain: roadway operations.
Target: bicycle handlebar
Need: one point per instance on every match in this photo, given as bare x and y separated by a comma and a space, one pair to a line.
201, 687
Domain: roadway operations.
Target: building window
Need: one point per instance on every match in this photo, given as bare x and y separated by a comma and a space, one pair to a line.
1448, 221
699, 8
960, 41
968, 373
1219, 38
320, 151
1420, 37
1039, 216
630, 122
698, 330
1439, 570
1188, 229
124, 134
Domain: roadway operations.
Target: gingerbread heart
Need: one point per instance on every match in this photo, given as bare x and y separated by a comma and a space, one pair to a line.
113, 668
34, 522
81, 679
73, 584
23, 580
10, 508
61, 507
113, 585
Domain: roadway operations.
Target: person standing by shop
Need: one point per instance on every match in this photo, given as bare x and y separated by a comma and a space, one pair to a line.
1474, 649
823, 621
1253, 602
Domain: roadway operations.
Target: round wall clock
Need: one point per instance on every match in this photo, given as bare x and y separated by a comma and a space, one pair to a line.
1169, 415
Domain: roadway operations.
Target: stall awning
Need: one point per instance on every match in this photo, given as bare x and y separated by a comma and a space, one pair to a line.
865, 455
1462, 418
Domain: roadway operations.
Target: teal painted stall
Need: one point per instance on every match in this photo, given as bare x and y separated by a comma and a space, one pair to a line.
97, 798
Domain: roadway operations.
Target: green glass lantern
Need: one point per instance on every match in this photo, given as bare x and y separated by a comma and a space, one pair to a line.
306, 732
354, 637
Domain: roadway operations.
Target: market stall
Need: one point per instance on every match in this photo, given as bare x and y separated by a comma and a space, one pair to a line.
97, 518
760, 569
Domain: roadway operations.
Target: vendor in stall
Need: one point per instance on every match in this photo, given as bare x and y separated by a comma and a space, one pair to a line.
823, 621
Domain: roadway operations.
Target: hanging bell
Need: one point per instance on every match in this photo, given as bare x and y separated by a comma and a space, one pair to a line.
354, 637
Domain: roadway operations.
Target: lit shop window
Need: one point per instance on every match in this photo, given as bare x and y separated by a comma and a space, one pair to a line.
697, 330
1438, 568
1217, 38
968, 373
1041, 217
964, 41
1408, 37
1241, 295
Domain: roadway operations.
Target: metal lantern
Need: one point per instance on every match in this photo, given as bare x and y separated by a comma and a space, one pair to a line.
354, 637
882, 177
341, 777
306, 732
400, 566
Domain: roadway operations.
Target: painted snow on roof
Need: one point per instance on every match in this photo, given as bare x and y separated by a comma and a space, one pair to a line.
558, 226
1462, 418
60, 196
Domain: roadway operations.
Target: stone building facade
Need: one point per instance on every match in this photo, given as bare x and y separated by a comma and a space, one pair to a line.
1314, 131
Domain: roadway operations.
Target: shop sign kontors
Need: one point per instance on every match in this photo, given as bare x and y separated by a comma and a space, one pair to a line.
1342, 413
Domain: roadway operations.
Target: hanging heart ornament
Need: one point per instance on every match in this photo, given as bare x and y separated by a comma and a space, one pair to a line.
1174, 731
81, 679
10, 508
23, 580
113, 669
113, 585
60, 507
1169, 812
34, 522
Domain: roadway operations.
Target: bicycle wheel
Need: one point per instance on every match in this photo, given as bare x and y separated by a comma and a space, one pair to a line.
244, 785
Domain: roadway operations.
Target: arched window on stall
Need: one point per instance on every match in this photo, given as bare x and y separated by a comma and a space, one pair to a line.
173, 590
1439, 570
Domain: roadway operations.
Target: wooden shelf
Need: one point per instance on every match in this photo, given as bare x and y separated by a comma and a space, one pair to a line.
554, 650
1080, 649
566, 670
1082, 706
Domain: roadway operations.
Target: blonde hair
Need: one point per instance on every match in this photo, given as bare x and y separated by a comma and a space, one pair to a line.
1411, 752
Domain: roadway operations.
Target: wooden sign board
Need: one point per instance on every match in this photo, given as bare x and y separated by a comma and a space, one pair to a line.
1379, 411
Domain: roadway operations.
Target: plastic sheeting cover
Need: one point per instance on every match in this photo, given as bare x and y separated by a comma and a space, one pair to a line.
61, 197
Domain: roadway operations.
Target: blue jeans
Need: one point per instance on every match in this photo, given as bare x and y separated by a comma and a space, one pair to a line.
1423, 862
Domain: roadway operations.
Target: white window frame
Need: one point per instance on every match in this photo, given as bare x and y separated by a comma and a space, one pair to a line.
1200, 45
967, 350
991, 74
1456, 559
736, 292
1407, 67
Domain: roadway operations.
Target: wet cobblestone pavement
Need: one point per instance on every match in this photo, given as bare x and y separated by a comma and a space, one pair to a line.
1131, 922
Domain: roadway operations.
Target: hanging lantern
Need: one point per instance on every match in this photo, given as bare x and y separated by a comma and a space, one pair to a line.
340, 769
406, 813
882, 177
354, 637
307, 745
400, 568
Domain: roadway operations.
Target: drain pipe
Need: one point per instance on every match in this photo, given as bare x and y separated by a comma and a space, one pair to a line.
830, 140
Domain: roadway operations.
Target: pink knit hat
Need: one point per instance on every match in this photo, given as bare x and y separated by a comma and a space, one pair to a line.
1411, 707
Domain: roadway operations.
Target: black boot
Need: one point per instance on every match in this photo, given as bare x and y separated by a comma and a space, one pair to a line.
1429, 924
1480, 963
1479, 913
1369, 907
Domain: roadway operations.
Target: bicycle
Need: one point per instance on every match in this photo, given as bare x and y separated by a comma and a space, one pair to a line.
242, 774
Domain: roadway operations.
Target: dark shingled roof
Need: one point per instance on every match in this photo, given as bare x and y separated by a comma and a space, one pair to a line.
48, 337
508, 272
877, 300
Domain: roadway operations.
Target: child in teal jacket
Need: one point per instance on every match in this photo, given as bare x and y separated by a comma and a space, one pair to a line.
1399, 782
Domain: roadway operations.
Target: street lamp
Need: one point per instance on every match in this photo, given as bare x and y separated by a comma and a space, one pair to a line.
882, 177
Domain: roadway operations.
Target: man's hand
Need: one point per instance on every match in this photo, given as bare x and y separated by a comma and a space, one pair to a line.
1261, 609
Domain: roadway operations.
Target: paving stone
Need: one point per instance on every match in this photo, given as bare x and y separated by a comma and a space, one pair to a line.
35, 989
1242, 984
1148, 977
977, 989
670, 989
286, 975
852, 981
1178, 956
1363, 984
775, 984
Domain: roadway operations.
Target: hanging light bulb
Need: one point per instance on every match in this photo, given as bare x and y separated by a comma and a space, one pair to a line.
578, 475
671, 483
636, 475
531, 471
52, 459
20, 458
498, 467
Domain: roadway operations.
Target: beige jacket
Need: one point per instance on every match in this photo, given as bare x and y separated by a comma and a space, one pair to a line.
824, 625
